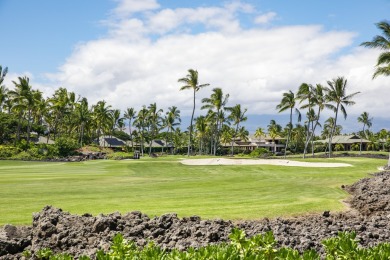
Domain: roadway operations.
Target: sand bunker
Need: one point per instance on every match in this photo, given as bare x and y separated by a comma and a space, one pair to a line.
226, 161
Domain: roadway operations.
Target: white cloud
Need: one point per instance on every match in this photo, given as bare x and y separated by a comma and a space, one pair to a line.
265, 18
128, 7
132, 66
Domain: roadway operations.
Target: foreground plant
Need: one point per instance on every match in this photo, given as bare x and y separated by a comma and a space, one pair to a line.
259, 247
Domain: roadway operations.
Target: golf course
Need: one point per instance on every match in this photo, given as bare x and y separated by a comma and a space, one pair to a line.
157, 186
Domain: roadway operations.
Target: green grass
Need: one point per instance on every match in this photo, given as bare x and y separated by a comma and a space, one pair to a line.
163, 185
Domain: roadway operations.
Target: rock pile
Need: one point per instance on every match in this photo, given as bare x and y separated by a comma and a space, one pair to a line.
84, 235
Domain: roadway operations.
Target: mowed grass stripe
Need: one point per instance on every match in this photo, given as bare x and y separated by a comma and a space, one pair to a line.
163, 185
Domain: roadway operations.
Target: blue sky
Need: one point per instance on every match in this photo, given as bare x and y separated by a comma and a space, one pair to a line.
254, 50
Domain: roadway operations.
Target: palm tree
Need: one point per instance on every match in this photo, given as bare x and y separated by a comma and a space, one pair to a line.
338, 100
216, 102
201, 129
3, 96
237, 115
365, 119
274, 130
381, 42
383, 135
288, 103
319, 101
141, 123
154, 117
83, 115
3, 89
172, 119
191, 82
259, 133
102, 115
22, 100
130, 115
330, 126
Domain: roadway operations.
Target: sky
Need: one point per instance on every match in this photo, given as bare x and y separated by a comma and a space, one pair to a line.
131, 53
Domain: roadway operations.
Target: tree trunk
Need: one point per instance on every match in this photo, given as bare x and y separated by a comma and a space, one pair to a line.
192, 118
332, 132
361, 140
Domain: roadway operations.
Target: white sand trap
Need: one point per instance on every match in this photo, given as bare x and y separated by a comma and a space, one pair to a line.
225, 161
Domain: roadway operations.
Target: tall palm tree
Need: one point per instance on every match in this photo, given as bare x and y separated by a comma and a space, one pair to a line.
274, 131
130, 115
365, 119
319, 101
381, 42
201, 129
237, 115
191, 82
154, 118
102, 115
3, 96
83, 115
141, 123
305, 94
338, 100
288, 103
259, 133
3, 89
172, 120
22, 100
216, 102
384, 136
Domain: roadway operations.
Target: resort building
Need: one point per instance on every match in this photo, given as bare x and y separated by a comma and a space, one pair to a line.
348, 141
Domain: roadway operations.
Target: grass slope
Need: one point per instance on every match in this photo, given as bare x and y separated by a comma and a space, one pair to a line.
162, 185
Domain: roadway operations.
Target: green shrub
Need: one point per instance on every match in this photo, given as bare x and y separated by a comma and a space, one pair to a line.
263, 246
119, 156
259, 152
23, 155
8, 151
66, 146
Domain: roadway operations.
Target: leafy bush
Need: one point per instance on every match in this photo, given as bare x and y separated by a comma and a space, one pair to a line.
259, 152
66, 146
119, 156
262, 246
24, 155
8, 151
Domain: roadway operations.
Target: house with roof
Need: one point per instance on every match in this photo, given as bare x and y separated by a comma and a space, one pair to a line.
110, 141
157, 145
347, 141
274, 145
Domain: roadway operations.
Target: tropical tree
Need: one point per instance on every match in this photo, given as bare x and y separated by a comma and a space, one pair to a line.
155, 120
217, 103
130, 115
201, 130
237, 116
384, 136
191, 82
338, 99
3, 89
83, 117
172, 120
102, 116
381, 42
274, 131
259, 133
288, 103
329, 127
365, 119
141, 123
22, 100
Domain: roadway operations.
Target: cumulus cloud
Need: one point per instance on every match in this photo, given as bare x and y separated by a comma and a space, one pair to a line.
128, 7
141, 58
265, 18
